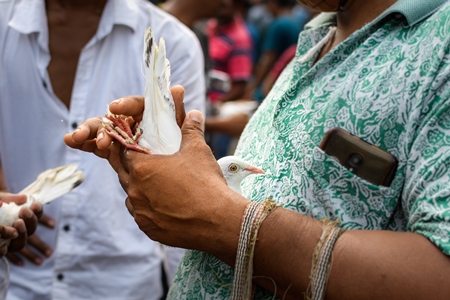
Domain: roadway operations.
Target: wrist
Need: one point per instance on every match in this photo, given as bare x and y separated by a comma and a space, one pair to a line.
224, 238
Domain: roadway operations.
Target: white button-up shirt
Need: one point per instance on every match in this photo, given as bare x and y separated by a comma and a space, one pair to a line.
99, 252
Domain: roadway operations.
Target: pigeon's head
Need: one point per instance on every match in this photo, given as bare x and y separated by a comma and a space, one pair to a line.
235, 169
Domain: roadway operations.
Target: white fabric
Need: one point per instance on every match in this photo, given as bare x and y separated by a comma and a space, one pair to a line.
103, 255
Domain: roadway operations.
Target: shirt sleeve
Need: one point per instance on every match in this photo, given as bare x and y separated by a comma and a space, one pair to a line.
427, 184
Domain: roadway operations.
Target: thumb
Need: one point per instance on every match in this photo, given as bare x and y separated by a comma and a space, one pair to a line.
192, 129
16, 198
178, 98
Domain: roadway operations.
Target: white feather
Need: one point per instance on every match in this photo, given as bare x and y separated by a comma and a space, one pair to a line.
48, 186
160, 131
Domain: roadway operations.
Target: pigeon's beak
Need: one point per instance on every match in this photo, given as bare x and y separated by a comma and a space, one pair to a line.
254, 170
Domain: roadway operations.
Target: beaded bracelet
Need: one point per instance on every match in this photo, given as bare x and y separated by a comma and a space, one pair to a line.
254, 215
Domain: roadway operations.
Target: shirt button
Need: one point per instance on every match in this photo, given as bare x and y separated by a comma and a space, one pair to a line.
66, 227
74, 125
60, 277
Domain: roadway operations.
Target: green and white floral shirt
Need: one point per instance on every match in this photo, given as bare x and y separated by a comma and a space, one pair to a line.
389, 84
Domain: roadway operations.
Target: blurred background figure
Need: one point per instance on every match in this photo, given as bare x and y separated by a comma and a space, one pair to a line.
230, 52
257, 18
277, 68
230, 48
194, 14
279, 35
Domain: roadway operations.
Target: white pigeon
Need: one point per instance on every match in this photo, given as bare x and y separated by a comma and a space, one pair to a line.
48, 186
235, 169
158, 132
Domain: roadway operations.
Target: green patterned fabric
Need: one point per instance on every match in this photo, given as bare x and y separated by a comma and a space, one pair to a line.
389, 84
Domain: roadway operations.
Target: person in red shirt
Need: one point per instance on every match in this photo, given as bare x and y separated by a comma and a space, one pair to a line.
230, 51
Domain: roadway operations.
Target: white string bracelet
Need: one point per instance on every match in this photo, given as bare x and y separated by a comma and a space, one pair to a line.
254, 215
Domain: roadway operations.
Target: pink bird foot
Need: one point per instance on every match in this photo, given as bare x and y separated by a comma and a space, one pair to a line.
119, 128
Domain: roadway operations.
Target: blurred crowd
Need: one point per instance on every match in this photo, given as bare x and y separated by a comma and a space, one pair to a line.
246, 44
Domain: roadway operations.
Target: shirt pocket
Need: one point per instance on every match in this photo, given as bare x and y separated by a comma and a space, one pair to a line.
347, 196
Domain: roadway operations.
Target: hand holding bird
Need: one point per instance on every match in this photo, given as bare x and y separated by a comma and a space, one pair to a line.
166, 193
48, 186
158, 131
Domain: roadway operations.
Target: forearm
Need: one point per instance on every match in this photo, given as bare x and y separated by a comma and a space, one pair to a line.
215, 124
365, 264
388, 265
224, 125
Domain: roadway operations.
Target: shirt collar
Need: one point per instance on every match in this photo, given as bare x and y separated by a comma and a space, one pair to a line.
414, 11
29, 16
118, 12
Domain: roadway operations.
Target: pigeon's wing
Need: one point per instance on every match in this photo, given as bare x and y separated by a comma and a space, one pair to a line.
53, 183
160, 132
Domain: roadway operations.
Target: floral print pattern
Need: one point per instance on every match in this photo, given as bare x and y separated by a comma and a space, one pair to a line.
389, 84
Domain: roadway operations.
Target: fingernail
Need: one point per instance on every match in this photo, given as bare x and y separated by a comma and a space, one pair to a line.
100, 136
28, 214
15, 235
38, 261
196, 116
117, 101
22, 229
76, 130
48, 252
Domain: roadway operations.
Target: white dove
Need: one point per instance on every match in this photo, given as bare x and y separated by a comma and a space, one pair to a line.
158, 132
48, 186
235, 169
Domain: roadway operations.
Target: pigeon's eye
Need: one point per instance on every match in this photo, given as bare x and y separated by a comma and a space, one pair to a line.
233, 168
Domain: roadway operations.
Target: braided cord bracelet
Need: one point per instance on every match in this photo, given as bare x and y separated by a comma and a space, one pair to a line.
254, 215
321, 261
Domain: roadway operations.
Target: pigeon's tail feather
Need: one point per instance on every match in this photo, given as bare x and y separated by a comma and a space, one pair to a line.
162, 73
160, 132
53, 183
148, 47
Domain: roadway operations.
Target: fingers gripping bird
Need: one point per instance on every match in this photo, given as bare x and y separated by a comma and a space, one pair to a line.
48, 186
158, 132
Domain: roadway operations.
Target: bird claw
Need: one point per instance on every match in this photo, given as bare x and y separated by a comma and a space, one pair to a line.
119, 128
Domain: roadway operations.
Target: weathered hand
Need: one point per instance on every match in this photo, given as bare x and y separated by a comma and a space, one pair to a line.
182, 199
24, 226
90, 136
34, 243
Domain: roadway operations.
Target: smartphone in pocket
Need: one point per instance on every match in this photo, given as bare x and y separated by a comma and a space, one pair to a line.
359, 157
